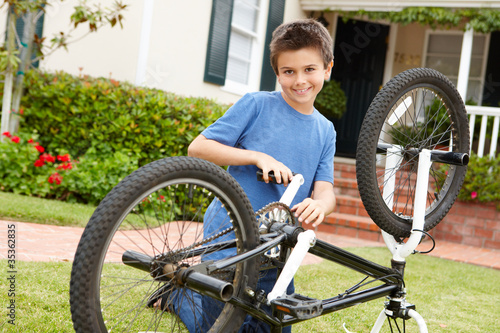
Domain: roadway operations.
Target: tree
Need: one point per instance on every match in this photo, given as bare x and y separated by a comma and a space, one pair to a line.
16, 57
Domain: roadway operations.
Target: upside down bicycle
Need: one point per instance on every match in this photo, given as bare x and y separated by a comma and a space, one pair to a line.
150, 234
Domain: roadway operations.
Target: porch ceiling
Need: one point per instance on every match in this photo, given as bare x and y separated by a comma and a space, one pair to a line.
375, 5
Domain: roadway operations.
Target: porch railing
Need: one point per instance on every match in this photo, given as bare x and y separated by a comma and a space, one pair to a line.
486, 113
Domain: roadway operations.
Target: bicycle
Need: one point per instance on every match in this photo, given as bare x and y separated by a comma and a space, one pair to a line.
153, 233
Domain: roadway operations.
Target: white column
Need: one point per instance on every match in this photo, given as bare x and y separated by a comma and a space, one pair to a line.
142, 59
389, 58
465, 59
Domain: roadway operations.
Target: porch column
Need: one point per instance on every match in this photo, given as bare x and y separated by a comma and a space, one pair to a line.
142, 58
463, 72
465, 59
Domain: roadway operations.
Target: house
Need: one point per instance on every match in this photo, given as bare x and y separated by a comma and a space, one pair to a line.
218, 49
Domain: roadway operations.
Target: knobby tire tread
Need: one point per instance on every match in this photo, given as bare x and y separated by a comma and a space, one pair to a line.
102, 222
367, 146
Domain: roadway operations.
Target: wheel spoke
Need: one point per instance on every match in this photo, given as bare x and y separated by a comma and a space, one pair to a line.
418, 109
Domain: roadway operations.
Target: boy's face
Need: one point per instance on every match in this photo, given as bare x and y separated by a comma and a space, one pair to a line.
301, 74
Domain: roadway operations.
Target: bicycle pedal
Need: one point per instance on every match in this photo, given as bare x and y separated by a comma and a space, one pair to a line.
298, 306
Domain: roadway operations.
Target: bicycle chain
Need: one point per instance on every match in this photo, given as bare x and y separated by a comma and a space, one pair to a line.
174, 253
269, 208
266, 209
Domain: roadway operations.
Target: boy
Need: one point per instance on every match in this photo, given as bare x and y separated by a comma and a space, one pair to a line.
281, 132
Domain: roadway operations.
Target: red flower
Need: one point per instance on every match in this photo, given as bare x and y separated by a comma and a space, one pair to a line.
7, 134
15, 139
65, 166
39, 163
55, 178
63, 158
48, 158
30, 141
473, 195
40, 149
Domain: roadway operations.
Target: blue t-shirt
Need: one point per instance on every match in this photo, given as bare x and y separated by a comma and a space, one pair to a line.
264, 122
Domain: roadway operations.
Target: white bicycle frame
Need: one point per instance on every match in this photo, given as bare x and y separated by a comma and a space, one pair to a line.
402, 250
399, 250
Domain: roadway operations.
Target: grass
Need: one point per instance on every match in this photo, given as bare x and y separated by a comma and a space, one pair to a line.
22, 208
451, 296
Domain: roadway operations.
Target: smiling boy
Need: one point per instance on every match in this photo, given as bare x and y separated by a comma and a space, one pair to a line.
276, 131
281, 132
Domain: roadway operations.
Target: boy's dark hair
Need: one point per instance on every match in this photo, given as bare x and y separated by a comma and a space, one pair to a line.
299, 34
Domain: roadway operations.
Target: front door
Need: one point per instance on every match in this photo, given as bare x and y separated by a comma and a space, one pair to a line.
360, 50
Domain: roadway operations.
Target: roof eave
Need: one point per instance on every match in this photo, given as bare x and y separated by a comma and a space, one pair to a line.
391, 6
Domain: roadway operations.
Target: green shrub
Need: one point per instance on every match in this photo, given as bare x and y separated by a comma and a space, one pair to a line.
331, 100
27, 168
482, 181
79, 113
93, 177
106, 129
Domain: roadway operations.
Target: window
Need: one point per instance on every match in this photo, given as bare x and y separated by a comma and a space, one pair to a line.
237, 54
245, 47
443, 54
243, 34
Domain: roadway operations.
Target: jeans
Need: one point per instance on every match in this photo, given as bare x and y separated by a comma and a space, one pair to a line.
191, 311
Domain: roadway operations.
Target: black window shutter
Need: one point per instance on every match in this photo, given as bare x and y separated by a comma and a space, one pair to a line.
218, 41
275, 18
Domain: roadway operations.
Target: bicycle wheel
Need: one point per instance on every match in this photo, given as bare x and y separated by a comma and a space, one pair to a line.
418, 109
167, 216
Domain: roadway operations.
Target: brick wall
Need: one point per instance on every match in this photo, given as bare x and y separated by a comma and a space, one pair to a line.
472, 224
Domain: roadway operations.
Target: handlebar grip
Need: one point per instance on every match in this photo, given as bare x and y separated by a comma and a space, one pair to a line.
272, 178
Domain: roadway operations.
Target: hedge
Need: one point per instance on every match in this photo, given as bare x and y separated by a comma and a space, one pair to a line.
106, 129
77, 113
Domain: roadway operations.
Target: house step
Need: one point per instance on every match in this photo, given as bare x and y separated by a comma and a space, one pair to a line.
350, 217
346, 186
350, 205
344, 171
349, 225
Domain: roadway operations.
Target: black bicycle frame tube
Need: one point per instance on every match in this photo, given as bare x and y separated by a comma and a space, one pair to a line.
392, 278
224, 263
332, 253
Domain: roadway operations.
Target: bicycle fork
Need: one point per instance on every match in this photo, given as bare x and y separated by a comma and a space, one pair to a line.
397, 307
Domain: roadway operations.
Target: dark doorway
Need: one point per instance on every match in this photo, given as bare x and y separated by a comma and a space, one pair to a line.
491, 92
360, 50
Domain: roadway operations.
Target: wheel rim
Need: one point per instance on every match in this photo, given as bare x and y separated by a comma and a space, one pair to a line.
420, 118
164, 222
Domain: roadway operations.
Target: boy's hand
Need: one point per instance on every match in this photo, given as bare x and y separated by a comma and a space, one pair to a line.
321, 204
309, 210
281, 172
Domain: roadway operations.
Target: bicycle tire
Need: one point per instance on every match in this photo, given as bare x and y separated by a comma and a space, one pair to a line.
156, 211
418, 109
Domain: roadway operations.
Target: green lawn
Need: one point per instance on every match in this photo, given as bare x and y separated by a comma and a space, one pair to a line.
451, 296
35, 210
